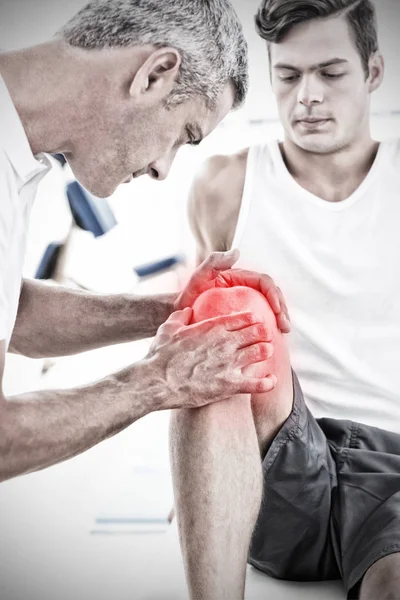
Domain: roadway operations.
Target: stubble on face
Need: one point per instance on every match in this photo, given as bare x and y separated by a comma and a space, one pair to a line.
119, 147
342, 103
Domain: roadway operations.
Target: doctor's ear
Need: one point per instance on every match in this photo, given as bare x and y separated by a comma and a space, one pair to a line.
157, 75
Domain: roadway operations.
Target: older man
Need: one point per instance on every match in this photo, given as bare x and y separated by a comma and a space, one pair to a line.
145, 81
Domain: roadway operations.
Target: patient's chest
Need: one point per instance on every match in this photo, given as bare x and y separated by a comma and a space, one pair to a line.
340, 274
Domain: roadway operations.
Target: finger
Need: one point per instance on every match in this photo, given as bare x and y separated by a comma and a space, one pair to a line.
221, 261
207, 274
250, 385
232, 322
254, 354
263, 283
283, 323
273, 297
254, 334
235, 277
284, 306
179, 317
258, 281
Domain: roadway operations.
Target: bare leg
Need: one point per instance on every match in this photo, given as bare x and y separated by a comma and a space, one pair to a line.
215, 455
382, 580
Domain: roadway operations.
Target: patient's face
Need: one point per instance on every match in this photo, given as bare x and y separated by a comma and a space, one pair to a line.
320, 85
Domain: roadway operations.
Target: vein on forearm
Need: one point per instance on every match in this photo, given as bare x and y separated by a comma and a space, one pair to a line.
40, 429
55, 321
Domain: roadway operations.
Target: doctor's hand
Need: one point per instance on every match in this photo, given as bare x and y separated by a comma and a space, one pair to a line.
216, 271
194, 365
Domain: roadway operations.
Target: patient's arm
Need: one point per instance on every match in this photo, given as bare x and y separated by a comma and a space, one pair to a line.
214, 205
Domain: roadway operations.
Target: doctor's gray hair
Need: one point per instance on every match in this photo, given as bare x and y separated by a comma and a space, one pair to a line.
207, 34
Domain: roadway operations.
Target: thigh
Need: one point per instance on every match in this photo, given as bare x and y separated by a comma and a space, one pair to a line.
366, 516
292, 537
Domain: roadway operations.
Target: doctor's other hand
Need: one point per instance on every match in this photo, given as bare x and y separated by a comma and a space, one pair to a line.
216, 271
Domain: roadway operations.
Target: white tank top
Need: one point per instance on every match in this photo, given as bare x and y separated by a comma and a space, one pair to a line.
338, 265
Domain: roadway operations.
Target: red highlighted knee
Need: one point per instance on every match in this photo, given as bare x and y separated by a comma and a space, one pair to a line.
223, 301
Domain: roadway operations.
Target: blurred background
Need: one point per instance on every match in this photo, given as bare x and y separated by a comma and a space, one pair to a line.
96, 526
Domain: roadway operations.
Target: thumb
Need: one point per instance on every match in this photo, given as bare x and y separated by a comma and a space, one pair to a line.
187, 315
223, 261
181, 317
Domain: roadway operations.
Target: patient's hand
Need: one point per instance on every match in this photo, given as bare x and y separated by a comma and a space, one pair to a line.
216, 272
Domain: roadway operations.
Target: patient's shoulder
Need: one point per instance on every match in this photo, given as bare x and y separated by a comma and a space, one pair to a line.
215, 199
222, 175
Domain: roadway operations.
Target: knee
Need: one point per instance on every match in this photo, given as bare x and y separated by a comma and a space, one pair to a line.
223, 301
267, 411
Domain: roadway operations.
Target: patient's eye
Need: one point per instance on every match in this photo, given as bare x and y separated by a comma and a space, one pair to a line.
288, 76
329, 75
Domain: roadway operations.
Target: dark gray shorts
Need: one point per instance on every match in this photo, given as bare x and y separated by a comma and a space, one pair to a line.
331, 504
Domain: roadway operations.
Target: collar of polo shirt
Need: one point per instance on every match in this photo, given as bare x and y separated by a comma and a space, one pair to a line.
15, 142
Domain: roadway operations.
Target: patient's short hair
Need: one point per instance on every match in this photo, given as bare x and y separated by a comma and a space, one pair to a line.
275, 18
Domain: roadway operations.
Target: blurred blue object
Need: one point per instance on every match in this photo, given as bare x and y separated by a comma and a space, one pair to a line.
90, 213
156, 267
60, 158
95, 216
49, 260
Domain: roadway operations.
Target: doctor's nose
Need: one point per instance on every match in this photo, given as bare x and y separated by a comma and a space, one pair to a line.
160, 168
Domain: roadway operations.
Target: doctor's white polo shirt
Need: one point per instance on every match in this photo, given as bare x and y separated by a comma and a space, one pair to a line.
20, 175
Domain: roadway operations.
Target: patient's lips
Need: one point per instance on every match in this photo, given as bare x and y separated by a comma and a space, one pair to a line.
312, 123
